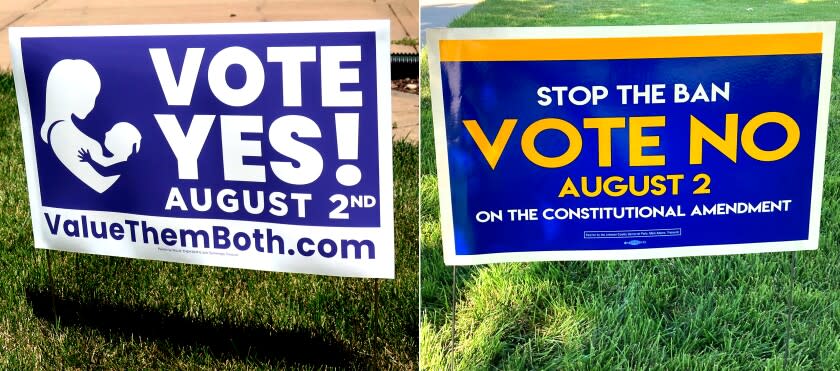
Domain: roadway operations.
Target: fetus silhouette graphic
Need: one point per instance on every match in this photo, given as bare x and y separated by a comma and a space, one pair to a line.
72, 88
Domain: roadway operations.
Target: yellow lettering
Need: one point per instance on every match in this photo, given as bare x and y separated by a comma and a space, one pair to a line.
619, 189
530, 150
585, 189
639, 192
569, 189
699, 132
604, 126
659, 188
639, 141
748, 136
493, 151
675, 182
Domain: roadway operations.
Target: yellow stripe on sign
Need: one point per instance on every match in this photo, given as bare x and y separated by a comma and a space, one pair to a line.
629, 47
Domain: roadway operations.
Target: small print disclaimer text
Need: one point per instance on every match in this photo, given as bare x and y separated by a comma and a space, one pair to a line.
643, 233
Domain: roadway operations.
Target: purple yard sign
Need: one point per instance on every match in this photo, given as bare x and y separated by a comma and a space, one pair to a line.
258, 145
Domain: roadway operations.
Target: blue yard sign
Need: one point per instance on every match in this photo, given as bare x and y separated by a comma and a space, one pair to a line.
629, 142
257, 145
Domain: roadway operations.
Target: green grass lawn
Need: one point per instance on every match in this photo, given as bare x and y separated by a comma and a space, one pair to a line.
116, 313
695, 313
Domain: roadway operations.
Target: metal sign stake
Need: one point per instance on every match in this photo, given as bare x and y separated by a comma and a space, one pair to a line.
454, 298
51, 285
790, 307
376, 302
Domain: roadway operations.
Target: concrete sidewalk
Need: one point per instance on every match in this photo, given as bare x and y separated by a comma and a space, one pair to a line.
440, 13
402, 13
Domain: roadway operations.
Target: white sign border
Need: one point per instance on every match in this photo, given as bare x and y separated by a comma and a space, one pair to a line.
384, 264
441, 152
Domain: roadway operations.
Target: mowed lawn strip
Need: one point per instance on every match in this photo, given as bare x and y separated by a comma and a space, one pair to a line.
697, 313
117, 313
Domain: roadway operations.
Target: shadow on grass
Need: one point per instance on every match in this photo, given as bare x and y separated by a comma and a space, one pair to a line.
257, 344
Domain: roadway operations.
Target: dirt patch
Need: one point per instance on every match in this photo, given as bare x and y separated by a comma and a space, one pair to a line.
407, 85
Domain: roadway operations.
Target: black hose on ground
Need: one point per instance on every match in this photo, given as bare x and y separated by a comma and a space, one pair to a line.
404, 65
